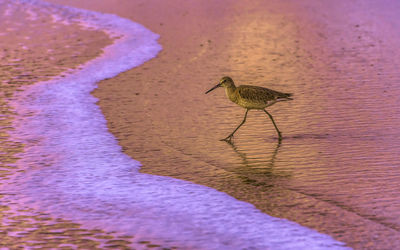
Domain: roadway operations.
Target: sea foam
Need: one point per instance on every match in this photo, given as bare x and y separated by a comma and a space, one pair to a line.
76, 170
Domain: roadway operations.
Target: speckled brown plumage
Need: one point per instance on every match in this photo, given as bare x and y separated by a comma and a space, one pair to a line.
251, 97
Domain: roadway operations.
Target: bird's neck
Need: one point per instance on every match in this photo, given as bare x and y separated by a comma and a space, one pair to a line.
230, 93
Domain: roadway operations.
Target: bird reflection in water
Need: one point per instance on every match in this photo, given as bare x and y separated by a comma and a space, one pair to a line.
259, 171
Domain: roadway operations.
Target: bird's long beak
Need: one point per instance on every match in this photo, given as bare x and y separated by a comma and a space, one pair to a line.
216, 86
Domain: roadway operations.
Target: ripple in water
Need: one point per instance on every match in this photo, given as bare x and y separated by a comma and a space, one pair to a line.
76, 170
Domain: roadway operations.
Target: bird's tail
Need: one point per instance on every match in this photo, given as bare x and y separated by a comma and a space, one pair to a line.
285, 97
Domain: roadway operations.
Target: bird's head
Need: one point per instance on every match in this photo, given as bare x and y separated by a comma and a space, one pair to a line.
225, 82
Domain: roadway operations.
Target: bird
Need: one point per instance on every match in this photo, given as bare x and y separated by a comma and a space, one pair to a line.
251, 97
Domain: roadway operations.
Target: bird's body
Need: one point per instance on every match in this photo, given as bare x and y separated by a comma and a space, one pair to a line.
255, 97
251, 97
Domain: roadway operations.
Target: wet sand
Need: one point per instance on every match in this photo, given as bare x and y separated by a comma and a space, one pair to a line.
335, 168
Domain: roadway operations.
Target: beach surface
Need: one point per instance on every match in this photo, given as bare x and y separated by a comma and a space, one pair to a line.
66, 182
336, 169
26, 59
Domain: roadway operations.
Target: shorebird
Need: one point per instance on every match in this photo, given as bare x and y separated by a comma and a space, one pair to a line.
251, 97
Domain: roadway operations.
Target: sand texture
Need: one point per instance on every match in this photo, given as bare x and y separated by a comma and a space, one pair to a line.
338, 144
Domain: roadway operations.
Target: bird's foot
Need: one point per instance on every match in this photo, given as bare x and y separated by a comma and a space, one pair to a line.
228, 139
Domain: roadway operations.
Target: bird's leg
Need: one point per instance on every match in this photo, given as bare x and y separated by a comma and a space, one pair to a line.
228, 139
273, 122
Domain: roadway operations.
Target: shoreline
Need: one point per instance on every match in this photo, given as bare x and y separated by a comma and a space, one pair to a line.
60, 123
211, 38
28, 59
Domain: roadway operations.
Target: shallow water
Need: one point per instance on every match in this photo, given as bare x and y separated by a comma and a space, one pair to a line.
337, 167
340, 148
336, 170
72, 168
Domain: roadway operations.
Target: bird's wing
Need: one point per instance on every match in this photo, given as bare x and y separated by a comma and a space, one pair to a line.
261, 93
256, 93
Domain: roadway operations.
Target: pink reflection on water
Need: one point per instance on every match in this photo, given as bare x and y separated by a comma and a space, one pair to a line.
75, 168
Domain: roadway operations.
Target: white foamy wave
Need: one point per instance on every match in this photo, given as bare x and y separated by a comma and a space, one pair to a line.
76, 170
